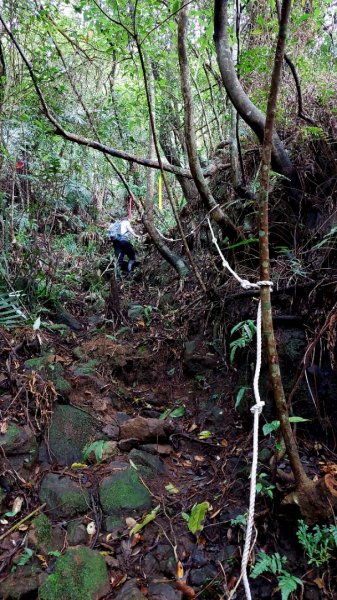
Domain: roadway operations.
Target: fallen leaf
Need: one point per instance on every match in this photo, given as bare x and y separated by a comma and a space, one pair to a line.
17, 505
319, 582
192, 427
147, 519
186, 589
130, 522
179, 570
199, 458
171, 489
55, 358
117, 580
3, 426
136, 538
42, 560
224, 443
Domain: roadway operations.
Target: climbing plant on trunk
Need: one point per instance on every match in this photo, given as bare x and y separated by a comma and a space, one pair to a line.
316, 499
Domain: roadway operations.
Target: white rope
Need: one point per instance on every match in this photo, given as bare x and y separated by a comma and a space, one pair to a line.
256, 410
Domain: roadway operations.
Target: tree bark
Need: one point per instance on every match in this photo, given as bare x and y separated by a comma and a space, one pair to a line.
188, 186
217, 214
313, 498
247, 110
148, 202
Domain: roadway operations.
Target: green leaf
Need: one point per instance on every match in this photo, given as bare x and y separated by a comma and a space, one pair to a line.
197, 517
204, 435
262, 565
288, 583
297, 420
178, 412
274, 425
270, 427
174, 413
37, 323
147, 519
239, 396
97, 448
25, 557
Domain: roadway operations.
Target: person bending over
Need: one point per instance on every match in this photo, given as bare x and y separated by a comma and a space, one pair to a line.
119, 232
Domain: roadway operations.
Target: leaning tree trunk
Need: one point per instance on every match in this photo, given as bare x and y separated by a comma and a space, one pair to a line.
246, 109
215, 211
316, 499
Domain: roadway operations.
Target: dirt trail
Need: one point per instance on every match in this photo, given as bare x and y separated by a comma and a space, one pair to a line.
119, 423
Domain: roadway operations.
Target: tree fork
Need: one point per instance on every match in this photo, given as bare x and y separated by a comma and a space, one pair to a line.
316, 499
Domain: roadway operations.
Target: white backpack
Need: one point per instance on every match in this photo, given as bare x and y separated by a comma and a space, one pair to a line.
114, 231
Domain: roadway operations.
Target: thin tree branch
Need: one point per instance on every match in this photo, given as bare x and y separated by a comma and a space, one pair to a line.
81, 140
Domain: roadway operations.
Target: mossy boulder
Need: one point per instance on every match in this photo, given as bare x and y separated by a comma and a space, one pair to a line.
16, 440
70, 430
50, 370
63, 496
44, 536
20, 447
123, 491
80, 574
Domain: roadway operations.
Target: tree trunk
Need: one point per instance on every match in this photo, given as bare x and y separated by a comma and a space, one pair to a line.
148, 202
188, 186
319, 498
217, 214
246, 109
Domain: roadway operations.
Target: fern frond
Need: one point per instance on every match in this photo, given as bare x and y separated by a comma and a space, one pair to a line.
10, 313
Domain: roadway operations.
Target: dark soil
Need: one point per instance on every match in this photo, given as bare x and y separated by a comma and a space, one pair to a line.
164, 359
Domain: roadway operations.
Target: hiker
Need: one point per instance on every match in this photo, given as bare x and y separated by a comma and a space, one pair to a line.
119, 233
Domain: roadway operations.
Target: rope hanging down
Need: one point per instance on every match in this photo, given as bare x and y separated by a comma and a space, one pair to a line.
256, 410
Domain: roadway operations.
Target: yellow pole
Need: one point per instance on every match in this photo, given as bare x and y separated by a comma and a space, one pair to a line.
160, 192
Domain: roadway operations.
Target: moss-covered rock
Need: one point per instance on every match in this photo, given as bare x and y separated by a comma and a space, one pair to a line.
63, 497
123, 490
20, 447
15, 440
71, 429
80, 574
44, 536
50, 370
